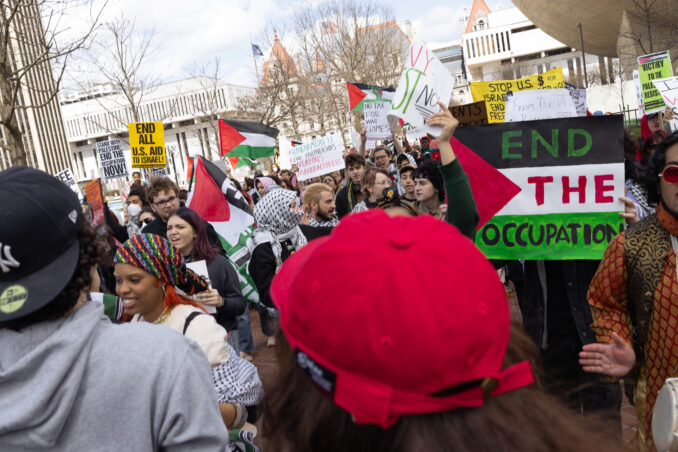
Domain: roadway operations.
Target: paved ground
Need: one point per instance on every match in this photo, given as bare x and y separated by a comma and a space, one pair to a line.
265, 361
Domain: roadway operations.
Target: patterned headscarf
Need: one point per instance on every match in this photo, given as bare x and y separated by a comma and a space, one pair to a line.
273, 214
161, 259
266, 182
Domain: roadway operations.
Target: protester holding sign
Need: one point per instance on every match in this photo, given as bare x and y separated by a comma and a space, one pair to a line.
632, 296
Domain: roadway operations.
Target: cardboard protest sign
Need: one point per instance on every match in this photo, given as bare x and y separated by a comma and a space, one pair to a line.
473, 114
360, 93
668, 88
159, 172
200, 268
376, 123
569, 172
319, 157
95, 197
539, 104
578, 97
494, 92
112, 159
66, 176
655, 66
423, 83
147, 142
639, 92
285, 148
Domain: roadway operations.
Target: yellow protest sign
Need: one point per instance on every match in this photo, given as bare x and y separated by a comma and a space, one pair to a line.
494, 92
147, 141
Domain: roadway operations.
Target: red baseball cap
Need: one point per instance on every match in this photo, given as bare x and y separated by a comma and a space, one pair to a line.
421, 311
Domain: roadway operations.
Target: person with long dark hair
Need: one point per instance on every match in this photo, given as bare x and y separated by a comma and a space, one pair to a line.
186, 232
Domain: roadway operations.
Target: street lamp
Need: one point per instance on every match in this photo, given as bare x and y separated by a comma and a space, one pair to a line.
583, 54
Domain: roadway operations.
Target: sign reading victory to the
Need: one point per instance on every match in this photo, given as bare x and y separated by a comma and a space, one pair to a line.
423, 83
564, 177
651, 68
318, 157
147, 142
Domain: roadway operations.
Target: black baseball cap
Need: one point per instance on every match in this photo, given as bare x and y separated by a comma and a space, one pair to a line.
39, 221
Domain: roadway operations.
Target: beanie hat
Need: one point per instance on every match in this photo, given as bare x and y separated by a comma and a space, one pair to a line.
378, 373
161, 259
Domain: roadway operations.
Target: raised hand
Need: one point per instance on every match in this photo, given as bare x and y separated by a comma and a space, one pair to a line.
445, 120
615, 359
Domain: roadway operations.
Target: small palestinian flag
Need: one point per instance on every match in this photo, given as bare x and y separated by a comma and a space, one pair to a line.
214, 197
246, 139
237, 162
358, 93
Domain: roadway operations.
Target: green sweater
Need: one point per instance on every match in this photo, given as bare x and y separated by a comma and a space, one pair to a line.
461, 207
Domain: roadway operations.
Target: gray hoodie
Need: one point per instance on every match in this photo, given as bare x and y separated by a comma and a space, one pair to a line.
82, 383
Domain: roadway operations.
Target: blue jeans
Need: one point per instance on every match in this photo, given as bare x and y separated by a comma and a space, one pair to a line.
245, 331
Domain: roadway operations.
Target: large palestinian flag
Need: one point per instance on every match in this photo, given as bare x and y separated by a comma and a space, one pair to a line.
554, 191
214, 197
359, 93
242, 139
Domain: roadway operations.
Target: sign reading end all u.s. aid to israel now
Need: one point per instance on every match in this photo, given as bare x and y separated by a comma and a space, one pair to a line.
566, 176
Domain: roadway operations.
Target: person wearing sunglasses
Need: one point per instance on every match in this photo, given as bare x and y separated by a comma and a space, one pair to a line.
634, 293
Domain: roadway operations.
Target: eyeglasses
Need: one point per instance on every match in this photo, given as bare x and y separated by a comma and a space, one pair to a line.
670, 174
164, 203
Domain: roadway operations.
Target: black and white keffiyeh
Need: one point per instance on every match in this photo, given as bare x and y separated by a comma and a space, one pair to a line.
273, 214
325, 224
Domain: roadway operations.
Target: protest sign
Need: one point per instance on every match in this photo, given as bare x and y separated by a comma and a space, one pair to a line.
319, 157
355, 138
494, 92
360, 93
96, 199
578, 97
639, 92
423, 83
147, 142
285, 148
668, 88
66, 176
112, 159
159, 172
655, 66
539, 104
200, 268
376, 123
473, 114
570, 173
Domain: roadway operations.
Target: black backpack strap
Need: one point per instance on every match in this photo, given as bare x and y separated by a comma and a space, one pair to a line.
189, 319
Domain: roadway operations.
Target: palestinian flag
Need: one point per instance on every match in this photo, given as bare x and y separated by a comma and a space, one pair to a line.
545, 189
214, 197
358, 93
246, 139
237, 162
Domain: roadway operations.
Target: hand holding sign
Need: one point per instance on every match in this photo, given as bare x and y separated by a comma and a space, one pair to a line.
423, 83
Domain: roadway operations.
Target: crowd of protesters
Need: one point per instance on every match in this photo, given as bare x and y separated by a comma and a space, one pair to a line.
392, 330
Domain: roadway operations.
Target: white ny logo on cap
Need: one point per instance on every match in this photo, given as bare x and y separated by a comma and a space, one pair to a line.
7, 261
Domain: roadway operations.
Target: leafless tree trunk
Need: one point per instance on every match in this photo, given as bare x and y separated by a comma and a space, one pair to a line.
33, 46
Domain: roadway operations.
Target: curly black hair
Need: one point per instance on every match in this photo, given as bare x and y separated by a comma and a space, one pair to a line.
649, 176
92, 252
428, 169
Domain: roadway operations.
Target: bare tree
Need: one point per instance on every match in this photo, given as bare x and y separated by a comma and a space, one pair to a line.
647, 27
334, 42
34, 46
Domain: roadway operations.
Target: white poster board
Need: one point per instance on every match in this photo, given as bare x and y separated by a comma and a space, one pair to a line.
668, 88
66, 176
376, 122
536, 104
200, 267
285, 148
318, 157
423, 83
112, 159
639, 92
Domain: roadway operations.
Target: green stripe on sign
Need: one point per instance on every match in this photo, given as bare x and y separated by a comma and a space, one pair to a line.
253, 152
557, 236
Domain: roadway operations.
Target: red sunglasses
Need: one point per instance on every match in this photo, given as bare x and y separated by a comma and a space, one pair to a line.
670, 174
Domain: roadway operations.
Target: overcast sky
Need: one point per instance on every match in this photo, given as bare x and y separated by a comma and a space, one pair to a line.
200, 30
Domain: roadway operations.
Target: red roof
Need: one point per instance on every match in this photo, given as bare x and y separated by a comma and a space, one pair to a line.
278, 53
478, 5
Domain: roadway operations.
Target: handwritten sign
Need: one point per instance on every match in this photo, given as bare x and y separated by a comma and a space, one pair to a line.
423, 83
319, 157
539, 104
579, 99
668, 88
112, 159
66, 176
494, 92
655, 66
96, 199
147, 141
474, 114
639, 92
376, 123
